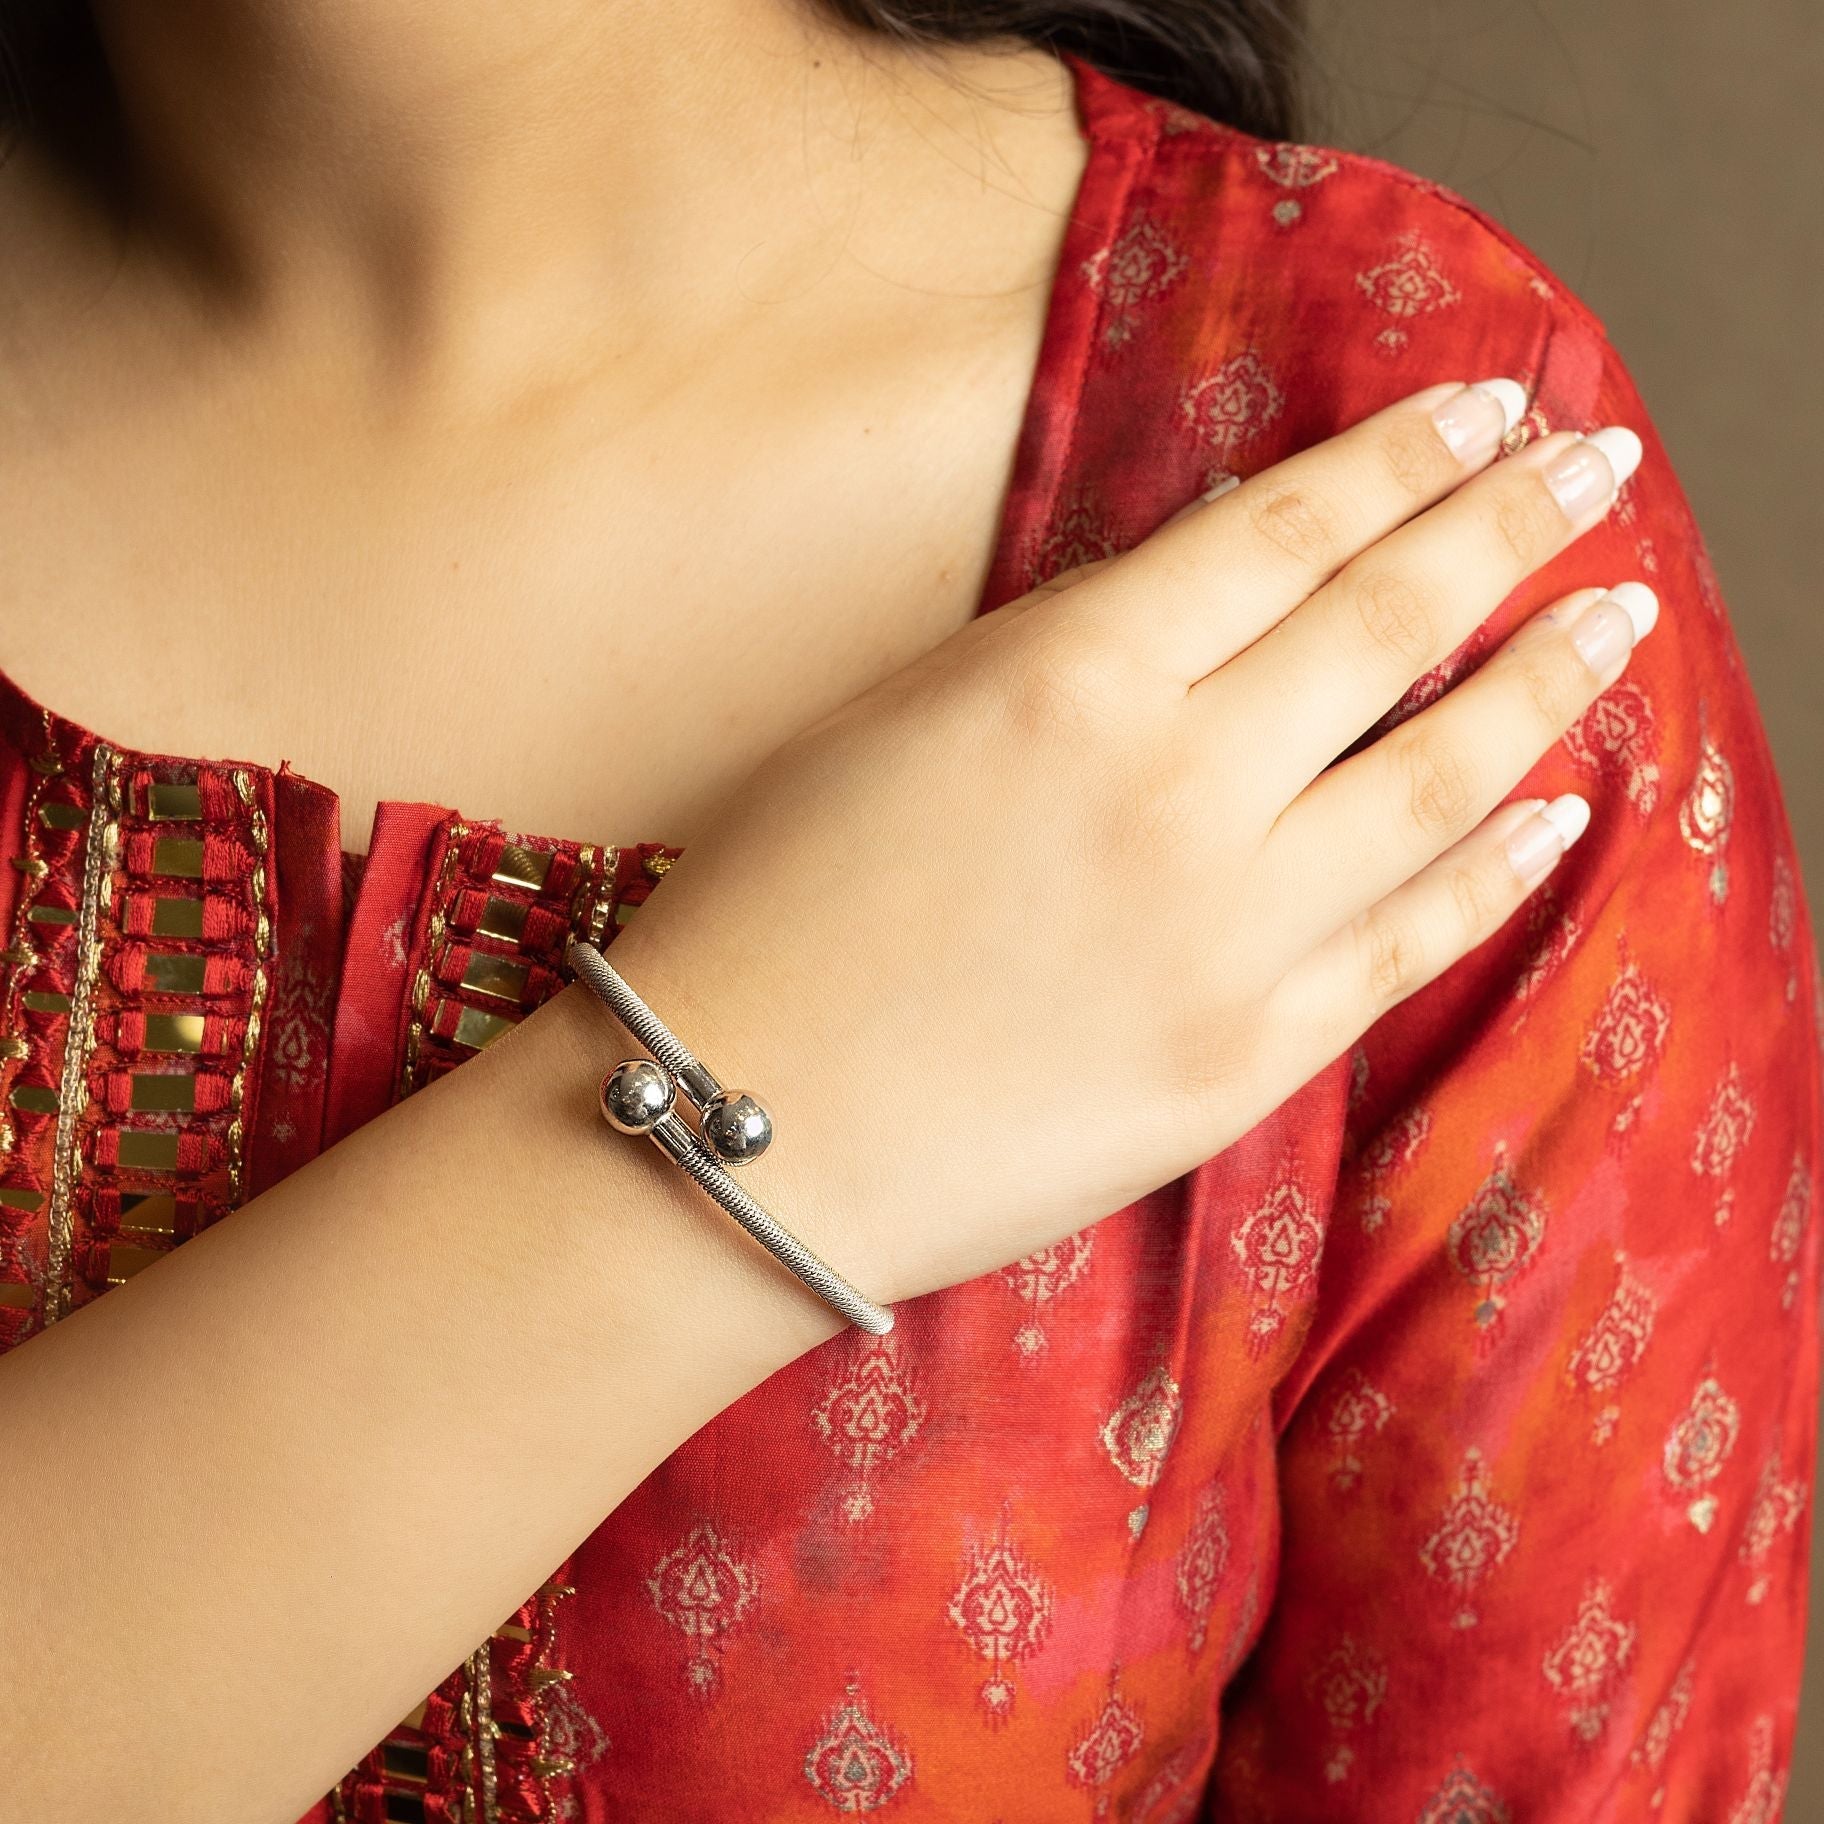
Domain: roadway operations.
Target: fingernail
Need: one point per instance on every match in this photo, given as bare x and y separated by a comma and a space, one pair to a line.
1604, 636
1534, 849
1623, 449
1642, 607
1612, 626
1587, 475
1569, 815
1214, 491
1473, 422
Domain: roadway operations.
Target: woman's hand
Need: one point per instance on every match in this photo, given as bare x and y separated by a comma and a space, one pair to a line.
1066, 907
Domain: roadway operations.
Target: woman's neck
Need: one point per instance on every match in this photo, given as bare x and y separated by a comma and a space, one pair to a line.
454, 186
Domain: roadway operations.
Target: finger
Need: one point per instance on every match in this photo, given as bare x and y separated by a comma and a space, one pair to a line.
1331, 669
1413, 934
1068, 579
1054, 586
1382, 814
1209, 582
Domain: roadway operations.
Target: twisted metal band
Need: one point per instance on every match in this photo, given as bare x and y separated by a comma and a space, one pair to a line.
694, 1077
679, 1141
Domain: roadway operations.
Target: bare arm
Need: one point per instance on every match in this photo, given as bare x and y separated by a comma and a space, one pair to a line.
181, 1573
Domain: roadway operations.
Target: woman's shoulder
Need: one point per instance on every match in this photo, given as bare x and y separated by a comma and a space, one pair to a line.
1306, 197
1379, 278
1251, 297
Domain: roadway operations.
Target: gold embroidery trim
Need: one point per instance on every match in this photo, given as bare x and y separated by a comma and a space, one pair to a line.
520, 866
504, 919
477, 1718
262, 943
477, 1029
594, 896
485, 1791
100, 851
543, 1678
19, 955
179, 803
433, 944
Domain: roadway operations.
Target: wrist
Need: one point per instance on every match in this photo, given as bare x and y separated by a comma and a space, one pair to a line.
585, 1042
760, 1038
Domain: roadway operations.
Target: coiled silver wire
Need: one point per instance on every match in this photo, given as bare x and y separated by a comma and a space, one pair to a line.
680, 1143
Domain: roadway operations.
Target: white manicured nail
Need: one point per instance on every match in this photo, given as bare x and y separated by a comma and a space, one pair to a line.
1641, 606
1622, 448
1510, 395
1538, 845
1585, 476
1217, 489
1569, 815
1474, 419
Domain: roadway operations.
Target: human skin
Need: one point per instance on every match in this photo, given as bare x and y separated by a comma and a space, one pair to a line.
346, 244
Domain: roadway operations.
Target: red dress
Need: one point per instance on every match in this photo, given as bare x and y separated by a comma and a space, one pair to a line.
1440, 1451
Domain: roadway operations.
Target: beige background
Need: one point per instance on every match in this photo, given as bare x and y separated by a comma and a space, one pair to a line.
1664, 157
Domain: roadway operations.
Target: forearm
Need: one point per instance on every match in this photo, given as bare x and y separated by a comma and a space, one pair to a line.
261, 1499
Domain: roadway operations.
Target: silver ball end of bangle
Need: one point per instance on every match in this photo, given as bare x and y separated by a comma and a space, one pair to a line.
737, 1128
637, 1096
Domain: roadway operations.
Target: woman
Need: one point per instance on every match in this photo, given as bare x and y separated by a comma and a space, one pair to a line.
1355, 1344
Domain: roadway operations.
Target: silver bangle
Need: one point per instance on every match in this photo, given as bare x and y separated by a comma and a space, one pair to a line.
639, 1096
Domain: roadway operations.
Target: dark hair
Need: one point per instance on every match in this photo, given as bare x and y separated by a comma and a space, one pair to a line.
1234, 60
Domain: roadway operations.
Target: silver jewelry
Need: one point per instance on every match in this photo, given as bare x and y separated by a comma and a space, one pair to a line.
639, 1096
